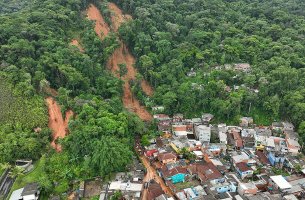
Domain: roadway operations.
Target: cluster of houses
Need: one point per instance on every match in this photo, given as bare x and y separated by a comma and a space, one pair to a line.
198, 160
195, 159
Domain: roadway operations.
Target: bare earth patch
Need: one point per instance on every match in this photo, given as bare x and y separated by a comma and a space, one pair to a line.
117, 18
121, 56
57, 124
101, 27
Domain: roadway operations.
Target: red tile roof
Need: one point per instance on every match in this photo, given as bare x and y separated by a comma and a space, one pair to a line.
154, 190
177, 170
237, 138
179, 128
166, 156
151, 152
239, 143
236, 135
243, 167
207, 171
262, 157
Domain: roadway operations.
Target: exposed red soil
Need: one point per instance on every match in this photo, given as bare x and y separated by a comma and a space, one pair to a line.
122, 56
117, 16
133, 104
57, 124
147, 89
101, 27
75, 42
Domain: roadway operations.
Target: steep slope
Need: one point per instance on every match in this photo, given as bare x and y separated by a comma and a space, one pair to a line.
101, 27
117, 18
121, 55
57, 124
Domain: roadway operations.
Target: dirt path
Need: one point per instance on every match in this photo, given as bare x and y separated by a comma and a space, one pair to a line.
75, 42
57, 124
101, 27
152, 174
121, 56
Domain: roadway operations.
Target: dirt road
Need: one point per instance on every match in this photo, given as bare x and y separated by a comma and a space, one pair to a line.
121, 56
152, 174
57, 124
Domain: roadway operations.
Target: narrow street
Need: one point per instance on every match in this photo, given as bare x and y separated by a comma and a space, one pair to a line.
151, 174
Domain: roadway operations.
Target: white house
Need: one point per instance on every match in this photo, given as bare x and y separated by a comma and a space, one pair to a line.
293, 146
222, 133
203, 133
29, 192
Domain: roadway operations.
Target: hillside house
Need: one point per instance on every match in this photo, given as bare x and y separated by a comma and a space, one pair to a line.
154, 190
243, 170
207, 118
262, 157
175, 175
165, 125
247, 189
166, 158
157, 108
29, 192
222, 133
279, 183
161, 117
182, 130
287, 126
206, 172
151, 153
293, 146
238, 142
247, 136
226, 187
291, 135
203, 133
246, 121
129, 190
242, 67
276, 158
178, 118
277, 126
243, 157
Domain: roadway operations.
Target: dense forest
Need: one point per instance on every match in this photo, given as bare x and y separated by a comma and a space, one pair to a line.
36, 59
172, 38
183, 49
